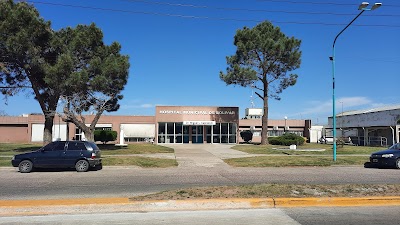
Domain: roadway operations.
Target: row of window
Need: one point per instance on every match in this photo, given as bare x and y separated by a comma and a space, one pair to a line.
138, 139
179, 133
275, 133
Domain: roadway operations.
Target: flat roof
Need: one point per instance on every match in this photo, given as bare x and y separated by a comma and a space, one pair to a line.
364, 111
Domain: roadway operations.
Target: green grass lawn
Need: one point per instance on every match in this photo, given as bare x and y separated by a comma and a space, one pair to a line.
5, 161
284, 150
281, 161
345, 155
111, 149
139, 161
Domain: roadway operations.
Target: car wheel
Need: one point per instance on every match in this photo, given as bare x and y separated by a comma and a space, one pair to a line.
82, 166
25, 166
398, 163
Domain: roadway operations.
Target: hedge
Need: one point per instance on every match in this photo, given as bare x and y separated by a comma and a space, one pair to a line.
105, 135
287, 139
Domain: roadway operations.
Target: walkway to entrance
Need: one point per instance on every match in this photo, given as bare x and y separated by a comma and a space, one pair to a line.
205, 155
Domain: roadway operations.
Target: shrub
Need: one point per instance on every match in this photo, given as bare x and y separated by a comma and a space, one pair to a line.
246, 135
105, 135
287, 139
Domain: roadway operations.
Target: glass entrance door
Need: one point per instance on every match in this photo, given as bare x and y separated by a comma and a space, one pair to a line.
186, 134
197, 134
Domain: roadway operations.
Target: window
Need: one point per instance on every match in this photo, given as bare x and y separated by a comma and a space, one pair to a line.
217, 133
185, 134
55, 146
76, 146
102, 128
161, 132
256, 133
232, 132
137, 139
178, 132
78, 134
224, 133
208, 133
92, 146
170, 133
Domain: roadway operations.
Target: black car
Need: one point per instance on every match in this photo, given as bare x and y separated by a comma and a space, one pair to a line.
386, 158
60, 154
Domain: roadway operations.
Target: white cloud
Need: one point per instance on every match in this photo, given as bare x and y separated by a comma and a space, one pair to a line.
350, 102
138, 106
321, 110
147, 106
318, 107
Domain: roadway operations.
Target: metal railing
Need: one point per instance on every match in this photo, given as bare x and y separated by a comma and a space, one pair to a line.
371, 141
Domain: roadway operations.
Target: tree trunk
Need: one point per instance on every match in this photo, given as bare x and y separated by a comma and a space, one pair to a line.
91, 128
264, 127
89, 134
48, 129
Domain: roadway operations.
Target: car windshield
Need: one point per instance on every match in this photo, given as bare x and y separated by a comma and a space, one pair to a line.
395, 146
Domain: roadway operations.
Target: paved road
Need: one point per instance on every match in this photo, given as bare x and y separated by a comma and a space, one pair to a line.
199, 165
222, 217
285, 216
131, 181
345, 215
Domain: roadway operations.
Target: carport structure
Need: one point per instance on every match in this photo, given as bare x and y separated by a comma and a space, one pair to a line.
377, 126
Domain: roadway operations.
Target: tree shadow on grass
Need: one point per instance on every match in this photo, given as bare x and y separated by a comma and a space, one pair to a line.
109, 147
22, 149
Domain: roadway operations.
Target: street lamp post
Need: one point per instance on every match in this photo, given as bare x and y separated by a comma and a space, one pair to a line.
363, 8
284, 129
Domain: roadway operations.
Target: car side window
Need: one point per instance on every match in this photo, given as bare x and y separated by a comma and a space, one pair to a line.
60, 146
76, 146
49, 147
55, 146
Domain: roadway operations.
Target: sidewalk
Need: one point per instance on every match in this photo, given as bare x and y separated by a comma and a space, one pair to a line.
112, 205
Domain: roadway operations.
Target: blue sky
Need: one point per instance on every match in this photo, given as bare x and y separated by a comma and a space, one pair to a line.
178, 47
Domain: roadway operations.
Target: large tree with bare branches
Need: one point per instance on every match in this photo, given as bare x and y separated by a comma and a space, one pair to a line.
263, 58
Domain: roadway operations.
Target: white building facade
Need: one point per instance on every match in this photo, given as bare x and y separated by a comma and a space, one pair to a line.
378, 126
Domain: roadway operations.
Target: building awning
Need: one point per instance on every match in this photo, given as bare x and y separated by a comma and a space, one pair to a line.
139, 130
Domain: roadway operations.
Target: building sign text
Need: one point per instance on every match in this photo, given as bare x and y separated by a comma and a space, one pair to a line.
197, 112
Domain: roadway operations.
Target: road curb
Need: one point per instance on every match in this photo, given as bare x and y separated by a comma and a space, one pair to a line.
110, 205
337, 201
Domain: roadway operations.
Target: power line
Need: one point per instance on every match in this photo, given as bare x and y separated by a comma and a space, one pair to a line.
318, 3
206, 17
250, 10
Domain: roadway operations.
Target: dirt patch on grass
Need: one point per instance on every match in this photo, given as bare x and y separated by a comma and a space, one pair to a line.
275, 191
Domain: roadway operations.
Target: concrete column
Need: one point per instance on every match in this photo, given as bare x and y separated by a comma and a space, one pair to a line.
365, 136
